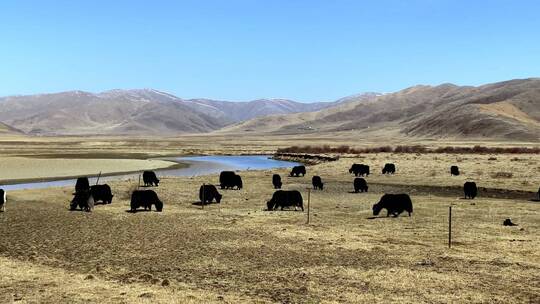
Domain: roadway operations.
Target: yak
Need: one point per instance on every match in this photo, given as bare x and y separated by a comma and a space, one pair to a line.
276, 181
82, 200
470, 190
389, 169
145, 199
150, 179
102, 193
82, 185
394, 204
359, 170
207, 193
317, 183
360, 184
284, 198
297, 170
508, 222
229, 180
454, 171
3, 200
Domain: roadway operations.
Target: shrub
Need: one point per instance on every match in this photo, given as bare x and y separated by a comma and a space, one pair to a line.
502, 175
418, 149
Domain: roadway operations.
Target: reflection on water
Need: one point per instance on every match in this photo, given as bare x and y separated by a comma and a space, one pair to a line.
198, 165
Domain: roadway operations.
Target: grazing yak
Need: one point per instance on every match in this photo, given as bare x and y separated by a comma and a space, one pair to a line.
229, 180
470, 190
317, 183
82, 185
102, 193
359, 170
297, 170
284, 198
82, 200
145, 199
508, 222
360, 184
389, 169
539, 194
207, 193
276, 181
3, 200
394, 204
150, 179
454, 170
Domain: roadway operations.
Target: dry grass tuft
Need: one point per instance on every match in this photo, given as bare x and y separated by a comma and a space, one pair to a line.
502, 175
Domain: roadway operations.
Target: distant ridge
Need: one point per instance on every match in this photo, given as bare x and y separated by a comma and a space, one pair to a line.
508, 110
6, 129
133, 112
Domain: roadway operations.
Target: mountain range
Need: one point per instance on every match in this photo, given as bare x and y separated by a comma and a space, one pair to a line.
504, 110
133, 112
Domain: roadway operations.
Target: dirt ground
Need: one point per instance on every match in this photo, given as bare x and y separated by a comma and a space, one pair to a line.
236, 252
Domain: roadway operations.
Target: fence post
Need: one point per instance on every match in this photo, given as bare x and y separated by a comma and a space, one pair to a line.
450, 227
99, 175
202, 201
308, 203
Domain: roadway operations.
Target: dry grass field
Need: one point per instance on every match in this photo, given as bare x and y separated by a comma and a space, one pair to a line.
236, 252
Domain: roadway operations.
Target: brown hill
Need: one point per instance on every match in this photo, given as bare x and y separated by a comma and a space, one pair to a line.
133, 112
114, 112
506, 110
5, 129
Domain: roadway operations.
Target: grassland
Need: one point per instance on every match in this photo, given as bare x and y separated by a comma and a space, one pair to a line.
237, 252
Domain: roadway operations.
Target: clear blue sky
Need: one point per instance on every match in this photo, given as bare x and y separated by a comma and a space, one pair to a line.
242, 50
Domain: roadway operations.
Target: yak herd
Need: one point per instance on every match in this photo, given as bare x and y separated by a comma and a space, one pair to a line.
86, 195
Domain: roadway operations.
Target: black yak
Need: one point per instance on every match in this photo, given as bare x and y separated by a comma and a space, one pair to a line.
101, 193
3, 200
276, 181
82, 200
508, 222
389, 169
82, 185
394, 204
229, 180
297, 170
360, 184
539, 194
359, 170
150, 179
283, 198
470, 190
145, 199
454, 170
317, 183
207, 193
225, 177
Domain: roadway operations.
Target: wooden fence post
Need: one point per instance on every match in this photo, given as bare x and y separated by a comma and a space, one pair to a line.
202, 201
450, 227
97, 180
308, 203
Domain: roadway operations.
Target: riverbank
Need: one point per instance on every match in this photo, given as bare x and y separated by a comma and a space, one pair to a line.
15, 170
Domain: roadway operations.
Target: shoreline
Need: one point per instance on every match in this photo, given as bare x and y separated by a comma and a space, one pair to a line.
18, 181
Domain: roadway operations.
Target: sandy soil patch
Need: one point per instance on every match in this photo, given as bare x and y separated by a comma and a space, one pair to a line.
21, 168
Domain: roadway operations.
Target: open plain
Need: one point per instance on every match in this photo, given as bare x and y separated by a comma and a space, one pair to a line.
238, 252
